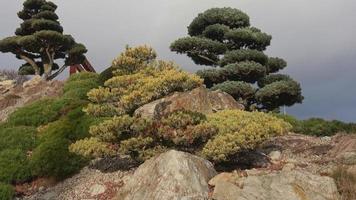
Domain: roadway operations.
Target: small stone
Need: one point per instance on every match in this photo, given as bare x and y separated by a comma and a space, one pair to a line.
325, 139
348, 158
41, 188
275, 155
97, 189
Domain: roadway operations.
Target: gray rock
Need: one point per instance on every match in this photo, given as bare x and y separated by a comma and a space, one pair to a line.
291, 185
199, 100
348, 158
172, 175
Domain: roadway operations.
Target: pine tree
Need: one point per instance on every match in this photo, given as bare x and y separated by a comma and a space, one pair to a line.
40, 41
223, 38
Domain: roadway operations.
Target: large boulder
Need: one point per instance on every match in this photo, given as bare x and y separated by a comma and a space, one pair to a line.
199, 100
170, 176
282, 185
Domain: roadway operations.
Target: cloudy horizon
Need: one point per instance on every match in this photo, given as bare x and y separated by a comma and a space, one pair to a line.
314, 37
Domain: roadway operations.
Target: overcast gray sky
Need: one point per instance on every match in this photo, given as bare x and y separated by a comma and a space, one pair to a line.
316, 37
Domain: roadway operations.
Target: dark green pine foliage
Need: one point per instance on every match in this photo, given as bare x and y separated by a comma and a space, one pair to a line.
223, 38
40, 41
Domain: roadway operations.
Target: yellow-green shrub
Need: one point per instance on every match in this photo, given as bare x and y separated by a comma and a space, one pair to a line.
138, 79
140, 137
112, 129
91, 148
240, 130
133, 60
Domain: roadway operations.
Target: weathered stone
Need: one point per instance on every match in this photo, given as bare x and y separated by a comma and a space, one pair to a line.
226, 191
97, 189
172, 175
292, 185
223, 177
348, 158
275, 155
199, 100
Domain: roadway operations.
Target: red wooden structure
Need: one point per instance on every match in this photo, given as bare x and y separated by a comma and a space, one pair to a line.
85, 66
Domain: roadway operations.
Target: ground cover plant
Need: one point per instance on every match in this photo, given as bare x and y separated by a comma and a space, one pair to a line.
318, 126
34, 140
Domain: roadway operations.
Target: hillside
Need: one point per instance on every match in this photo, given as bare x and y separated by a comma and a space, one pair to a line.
146, 134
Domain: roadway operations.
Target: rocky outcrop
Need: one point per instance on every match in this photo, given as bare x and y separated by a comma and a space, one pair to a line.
13, 96
282, 185
199, 100
171, 176
89, 184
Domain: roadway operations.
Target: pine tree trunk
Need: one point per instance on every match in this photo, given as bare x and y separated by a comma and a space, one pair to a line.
47, 71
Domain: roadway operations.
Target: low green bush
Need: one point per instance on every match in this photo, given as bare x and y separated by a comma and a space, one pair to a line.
83, 84
296, 124
321, 127
38, 113
6, 192
14, 166
52, 156
53, 159
78, 85
317, 126
83, 76
21, 137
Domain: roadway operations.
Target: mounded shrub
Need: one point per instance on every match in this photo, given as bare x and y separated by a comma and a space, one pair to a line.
78, 85
6, 192
14, 166
38, 113
53, 159
83, 76
139, 79
321, 127
21, 137
139, 137
91, 148
240, 130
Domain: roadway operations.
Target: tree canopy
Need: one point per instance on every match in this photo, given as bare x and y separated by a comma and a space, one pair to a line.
40, 41
223, 38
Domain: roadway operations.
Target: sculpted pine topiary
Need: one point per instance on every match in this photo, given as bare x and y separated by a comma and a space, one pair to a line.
224, 39
40, 41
